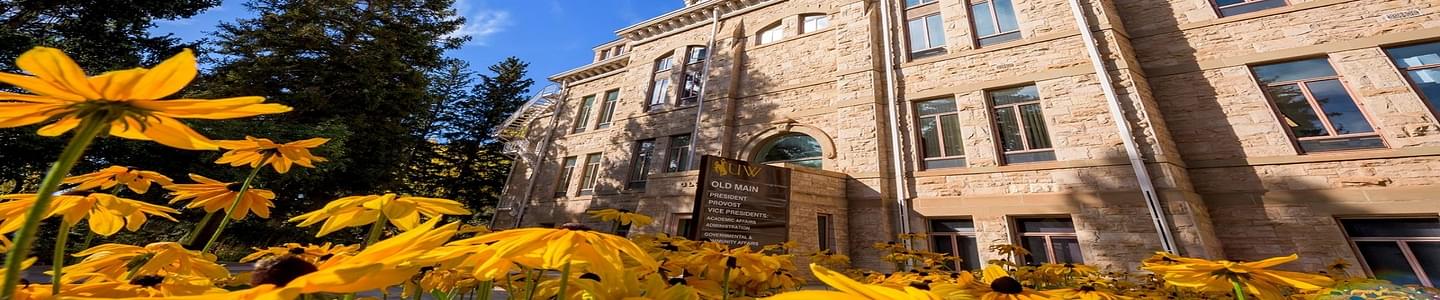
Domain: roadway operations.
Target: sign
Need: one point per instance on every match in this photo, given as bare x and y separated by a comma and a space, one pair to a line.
741, 203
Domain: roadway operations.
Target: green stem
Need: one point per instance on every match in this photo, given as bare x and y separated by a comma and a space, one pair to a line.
25, 236
534, 281
189, 239
244, 187
57, 259
725, 284
376, 230
1239, 292
89, 236
564, 281
486, 288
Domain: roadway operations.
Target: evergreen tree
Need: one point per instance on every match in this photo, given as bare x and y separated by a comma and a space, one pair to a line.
470, 146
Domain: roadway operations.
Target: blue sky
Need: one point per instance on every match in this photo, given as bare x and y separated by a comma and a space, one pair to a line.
552, 35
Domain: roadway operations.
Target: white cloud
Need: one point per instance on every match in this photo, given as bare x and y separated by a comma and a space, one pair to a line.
480, 22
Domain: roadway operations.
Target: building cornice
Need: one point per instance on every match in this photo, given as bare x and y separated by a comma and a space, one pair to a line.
592, 70
685, 17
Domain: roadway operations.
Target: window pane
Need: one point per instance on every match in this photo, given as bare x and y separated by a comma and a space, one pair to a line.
1047, 225
935, 106
1228, 2
930, 137
1035, 126
969, 252
1028, 157
909, 3
1036, 246
1006, 122
1251, 7
950, 132
660, 92
945, 163
980, 16
1067, 250
1427, 254
1342, 144
996, 39
824, 228
962, 226
1295, 70
683, 227
942, 244
792, 147
640, 168
679, 154
1387, 262
663, 64
1298, 113
583, 115
1415, 55
1412, 227
936, 30
918, 39
1005, 14
1428, 82
1015, 95
1344, 116
697, 54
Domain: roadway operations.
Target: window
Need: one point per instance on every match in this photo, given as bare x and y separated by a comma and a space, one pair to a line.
1234, 7
772, 34
939, 127
914, 3
640, 164
582, 117
826, 228
957, 238
660, 83
679, 154
1421, 63
994, 22
927, 36
1021, 125
1403, 251
684, 224
567, 169
607, 109
694, 68
813, 23
590, 174
605, 54
1050, 240
793, 148
1314, 104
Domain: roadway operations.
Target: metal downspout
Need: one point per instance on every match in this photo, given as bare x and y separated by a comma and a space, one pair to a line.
902, 190
544, 150
704, 81
1147, 186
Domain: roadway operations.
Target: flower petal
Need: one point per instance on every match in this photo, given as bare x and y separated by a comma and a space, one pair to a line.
53, 67
173, 133
167, 78
117, 84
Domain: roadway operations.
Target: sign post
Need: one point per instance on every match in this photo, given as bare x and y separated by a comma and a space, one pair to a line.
741, 203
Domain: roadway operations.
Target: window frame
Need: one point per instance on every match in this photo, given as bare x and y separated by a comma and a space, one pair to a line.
933, 50
1021, 234
922, 3
825, 232
1020, 123
590, 174
680, 220
1220, 9
582, 116
660, 81
954, 237
640, 164
1303, 85
994, 24
607, 109
940, 127
674, 152
698, 66
778, 28
805, 22
567, 173
1434, 109
1403, 243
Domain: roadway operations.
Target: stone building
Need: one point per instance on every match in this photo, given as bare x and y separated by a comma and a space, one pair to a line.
1239, 129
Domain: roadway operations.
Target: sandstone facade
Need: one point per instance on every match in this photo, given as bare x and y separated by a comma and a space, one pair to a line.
1232, 180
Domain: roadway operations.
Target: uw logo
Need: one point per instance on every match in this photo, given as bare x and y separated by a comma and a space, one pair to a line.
727, 168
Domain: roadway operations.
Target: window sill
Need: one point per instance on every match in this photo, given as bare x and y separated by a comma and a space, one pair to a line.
588, 132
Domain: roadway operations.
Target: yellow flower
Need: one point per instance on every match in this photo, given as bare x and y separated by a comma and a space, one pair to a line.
829, 258
114, 261
213, 195
403, 212
1085, 292
310, 252
847, 288
143, 286
107, 213
257, 152
128, 100
386, 263
624, 217
137, 180
493, 255
1068, 270
997, 284
1254, 277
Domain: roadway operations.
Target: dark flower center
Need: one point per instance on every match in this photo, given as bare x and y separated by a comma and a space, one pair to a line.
297, 251
327, 256
1086, 288
676, 281
1069, 266
590, 276
280, 270
1006, 285
148, 281
575, 227
920, 285
730, 262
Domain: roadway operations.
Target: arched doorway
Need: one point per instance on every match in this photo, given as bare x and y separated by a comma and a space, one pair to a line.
792, 148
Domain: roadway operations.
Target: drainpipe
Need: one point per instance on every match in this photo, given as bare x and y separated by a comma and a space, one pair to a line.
902, 190
1142, 175
544, 150
505, 190
704, 81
